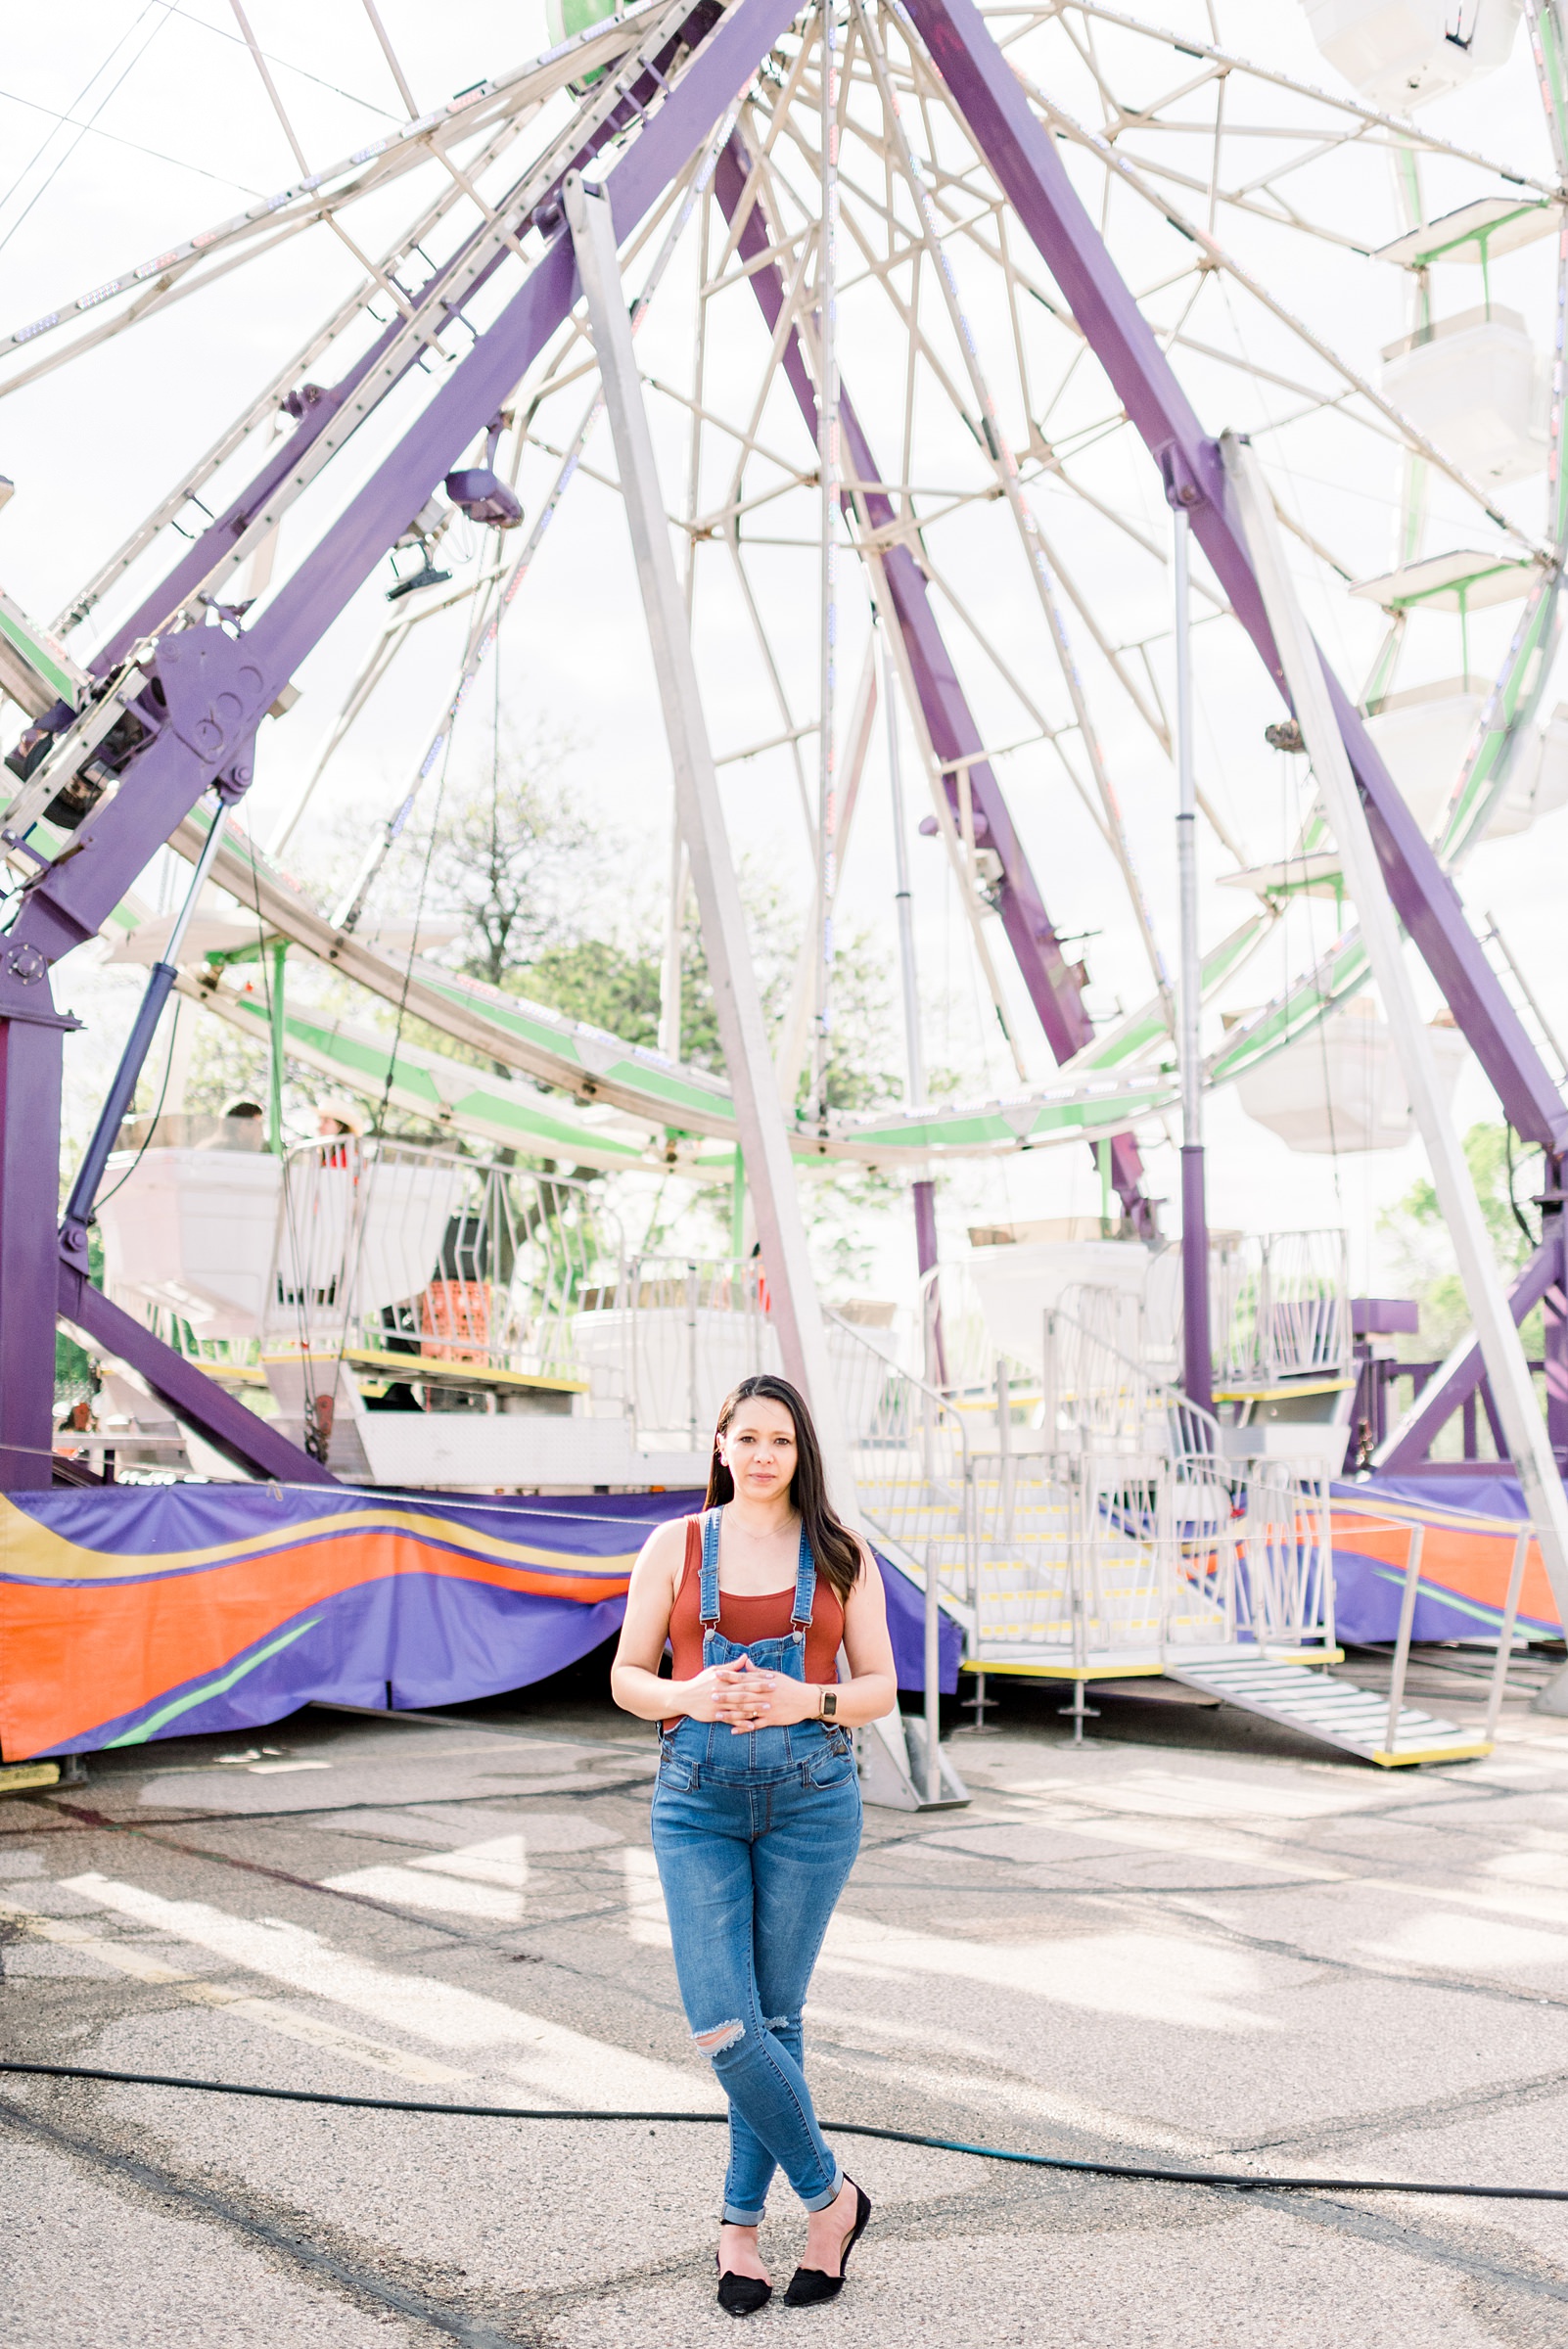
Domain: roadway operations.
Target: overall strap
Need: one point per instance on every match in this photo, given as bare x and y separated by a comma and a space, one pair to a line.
805, 1587
708, 1587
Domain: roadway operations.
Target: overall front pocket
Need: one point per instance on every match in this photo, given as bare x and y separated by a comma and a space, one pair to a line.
675, 1775
833, 1766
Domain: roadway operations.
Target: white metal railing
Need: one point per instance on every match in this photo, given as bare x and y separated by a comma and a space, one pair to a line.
1098, 1392
1087, 1554
1067, 1550
669, 1337
1279, 1309
395, 1249
1399, 1663
911, 1454
1087, 1385
1284, 1307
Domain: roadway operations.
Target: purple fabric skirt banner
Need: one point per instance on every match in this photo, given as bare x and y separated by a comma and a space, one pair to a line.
1470, 1524
140, 1612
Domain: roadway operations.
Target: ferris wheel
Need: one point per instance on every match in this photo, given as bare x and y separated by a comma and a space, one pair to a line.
900, 420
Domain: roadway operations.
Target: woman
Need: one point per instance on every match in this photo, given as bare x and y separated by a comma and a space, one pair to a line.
756, 1808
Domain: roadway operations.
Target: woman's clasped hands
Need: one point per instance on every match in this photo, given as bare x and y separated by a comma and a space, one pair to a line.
747, 1698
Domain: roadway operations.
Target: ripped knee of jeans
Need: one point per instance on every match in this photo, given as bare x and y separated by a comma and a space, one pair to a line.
782, 2022
720, 2038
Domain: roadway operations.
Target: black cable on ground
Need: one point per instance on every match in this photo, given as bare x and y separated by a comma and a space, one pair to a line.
897, 2136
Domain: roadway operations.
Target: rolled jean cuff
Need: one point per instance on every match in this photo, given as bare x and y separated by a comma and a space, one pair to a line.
729, 2216
829, 2194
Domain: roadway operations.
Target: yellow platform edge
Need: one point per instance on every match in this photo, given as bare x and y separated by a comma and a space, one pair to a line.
1142, 1672
15, 1775
1439, 1753
1071, 1672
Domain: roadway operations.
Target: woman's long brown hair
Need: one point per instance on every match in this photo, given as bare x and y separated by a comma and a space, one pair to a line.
833, 1545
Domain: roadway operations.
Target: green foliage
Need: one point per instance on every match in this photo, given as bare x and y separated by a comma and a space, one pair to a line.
598, 982
1424, 1253
74, 1376
227, 1066
508, 855
557, 908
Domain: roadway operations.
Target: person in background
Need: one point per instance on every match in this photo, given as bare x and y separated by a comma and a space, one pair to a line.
338, 1118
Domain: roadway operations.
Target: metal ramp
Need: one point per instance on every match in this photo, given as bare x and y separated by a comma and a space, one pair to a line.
1335, 1712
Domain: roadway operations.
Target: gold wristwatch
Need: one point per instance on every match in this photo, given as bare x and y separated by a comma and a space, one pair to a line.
827, 1704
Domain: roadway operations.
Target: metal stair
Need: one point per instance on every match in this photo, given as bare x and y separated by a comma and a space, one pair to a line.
1097, 1565
1332, 1711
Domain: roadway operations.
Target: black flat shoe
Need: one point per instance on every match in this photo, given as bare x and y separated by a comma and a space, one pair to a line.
809, 2285
742, 2295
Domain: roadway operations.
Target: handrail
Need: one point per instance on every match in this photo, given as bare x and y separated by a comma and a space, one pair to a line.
1417, 1535
943, 1403
1170, 1397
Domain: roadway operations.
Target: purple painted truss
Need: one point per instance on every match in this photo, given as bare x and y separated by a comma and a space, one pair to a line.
1023, 155
211, 694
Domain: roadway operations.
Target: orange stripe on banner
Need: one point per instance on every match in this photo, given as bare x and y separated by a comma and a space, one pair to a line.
1473, 1563
71, 1658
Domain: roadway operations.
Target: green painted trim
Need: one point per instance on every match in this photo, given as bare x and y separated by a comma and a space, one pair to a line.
38, 659
1492, 1617
219, 1688
1475, 236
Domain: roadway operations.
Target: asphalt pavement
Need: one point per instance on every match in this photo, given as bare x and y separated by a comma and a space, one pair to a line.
1193, 1939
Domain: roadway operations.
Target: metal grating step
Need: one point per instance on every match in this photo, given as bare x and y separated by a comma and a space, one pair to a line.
1342, 1715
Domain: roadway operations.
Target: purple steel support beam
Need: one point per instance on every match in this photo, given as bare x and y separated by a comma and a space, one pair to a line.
1555, 1313
1022, 154
210, 693
251, 1443
1556, 1317
31, 1037
1197, 1344
1441, 1398
1054, 985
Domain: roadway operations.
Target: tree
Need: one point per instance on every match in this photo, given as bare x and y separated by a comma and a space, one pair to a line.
609, 986
558, 909
509, 854
1418, 1232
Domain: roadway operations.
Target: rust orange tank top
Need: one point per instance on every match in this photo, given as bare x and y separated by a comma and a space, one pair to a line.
743, 1619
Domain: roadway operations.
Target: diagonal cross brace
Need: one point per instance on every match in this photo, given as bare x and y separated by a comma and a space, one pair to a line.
1021, 155
1054, 987
737, 1002
371, 377
220, 1418
1408, 1443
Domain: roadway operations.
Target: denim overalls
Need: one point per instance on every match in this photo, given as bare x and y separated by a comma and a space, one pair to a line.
755, 1832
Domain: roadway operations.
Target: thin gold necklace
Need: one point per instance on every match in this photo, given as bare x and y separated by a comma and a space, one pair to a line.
789, 1527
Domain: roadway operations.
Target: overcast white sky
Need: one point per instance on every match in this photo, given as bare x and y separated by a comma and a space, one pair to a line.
129, 123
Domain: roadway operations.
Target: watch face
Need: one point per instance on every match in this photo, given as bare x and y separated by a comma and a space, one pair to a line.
830, 1703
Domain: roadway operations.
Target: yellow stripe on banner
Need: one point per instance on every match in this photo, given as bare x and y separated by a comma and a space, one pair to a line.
33, 1552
